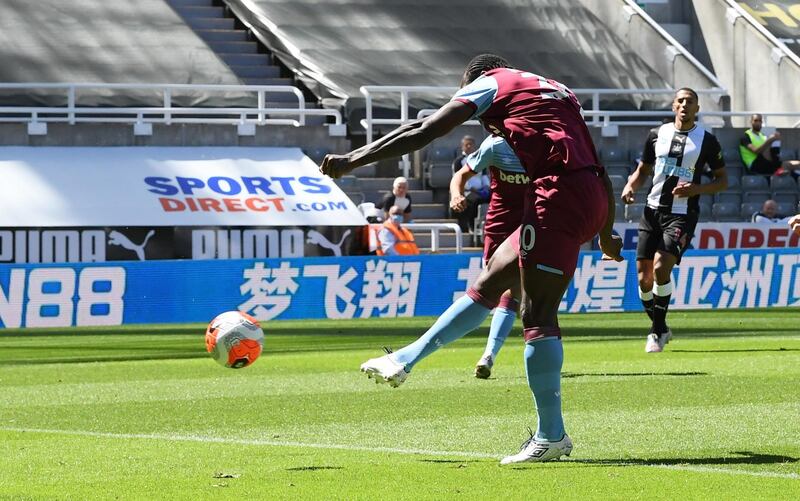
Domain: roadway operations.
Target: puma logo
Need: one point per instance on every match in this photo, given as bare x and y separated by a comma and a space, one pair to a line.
117, 238
317, 238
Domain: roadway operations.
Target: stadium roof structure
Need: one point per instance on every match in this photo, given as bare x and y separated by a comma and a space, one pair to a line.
339, 46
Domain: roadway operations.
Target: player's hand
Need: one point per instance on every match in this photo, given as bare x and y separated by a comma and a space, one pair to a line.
775, 136
336, 166
628, 195
794, 224
611, 246
458, 203
684, 189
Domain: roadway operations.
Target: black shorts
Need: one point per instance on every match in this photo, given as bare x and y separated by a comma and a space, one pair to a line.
664, 232
763, 166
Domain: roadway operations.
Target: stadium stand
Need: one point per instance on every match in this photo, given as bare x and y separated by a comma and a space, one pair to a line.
216, 42
766, 62
98, 41
573, 45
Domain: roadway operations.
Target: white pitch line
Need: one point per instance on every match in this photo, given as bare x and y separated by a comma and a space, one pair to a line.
362, 448
241, 441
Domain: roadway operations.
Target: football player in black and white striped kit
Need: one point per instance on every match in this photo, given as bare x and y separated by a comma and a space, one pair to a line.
675, 154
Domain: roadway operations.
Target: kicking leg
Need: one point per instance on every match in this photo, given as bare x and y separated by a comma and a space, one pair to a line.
463, 316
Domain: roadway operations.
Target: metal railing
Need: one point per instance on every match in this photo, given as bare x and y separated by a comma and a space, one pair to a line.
166, 113
369, 91
435, 229
634, 8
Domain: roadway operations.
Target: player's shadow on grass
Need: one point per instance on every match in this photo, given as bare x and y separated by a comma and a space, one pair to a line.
742, 457
735, 351
568, 375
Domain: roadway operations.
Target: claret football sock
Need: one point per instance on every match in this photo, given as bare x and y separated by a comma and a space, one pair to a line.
502, 322
460, 318
647, 302
543, 361
661, 297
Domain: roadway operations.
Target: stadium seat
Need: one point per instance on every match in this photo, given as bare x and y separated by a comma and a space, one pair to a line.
783, 184
731, 156
735, 169
748, 209
728, 197
357, 197
705, 210
753, 183
787, 209
439, 175
618, 170
316, 154
618, 182
734, 182
633, 212
613, 156
785, 198
348, 183
441, 154
758, 196
722, 211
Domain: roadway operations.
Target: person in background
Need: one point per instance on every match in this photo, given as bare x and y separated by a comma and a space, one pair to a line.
768, 213
395, 240
468, 146
761, 153
476, 192
399, 197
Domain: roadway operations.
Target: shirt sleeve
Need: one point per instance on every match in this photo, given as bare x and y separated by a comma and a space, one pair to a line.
649, 151
482, 158
387, 202
745, 140
387, 241
479, 94
714, 153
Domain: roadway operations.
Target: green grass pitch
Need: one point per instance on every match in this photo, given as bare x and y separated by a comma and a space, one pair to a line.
143, 413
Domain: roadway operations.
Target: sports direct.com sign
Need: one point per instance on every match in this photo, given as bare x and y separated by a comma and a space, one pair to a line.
146, 187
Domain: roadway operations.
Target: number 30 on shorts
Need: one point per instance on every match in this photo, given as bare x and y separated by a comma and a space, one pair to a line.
527, 238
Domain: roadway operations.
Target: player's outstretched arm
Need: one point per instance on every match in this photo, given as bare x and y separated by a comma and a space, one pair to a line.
405, 139
635, 181
610, 244
457, 200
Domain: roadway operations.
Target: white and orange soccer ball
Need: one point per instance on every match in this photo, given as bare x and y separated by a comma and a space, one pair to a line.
234, 339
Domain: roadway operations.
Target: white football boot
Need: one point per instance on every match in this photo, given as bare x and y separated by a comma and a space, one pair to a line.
652, 345
483, 369
385, 370
534, 450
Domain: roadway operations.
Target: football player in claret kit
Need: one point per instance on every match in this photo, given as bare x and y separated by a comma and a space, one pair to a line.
674, 154
569, 200
508, 187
